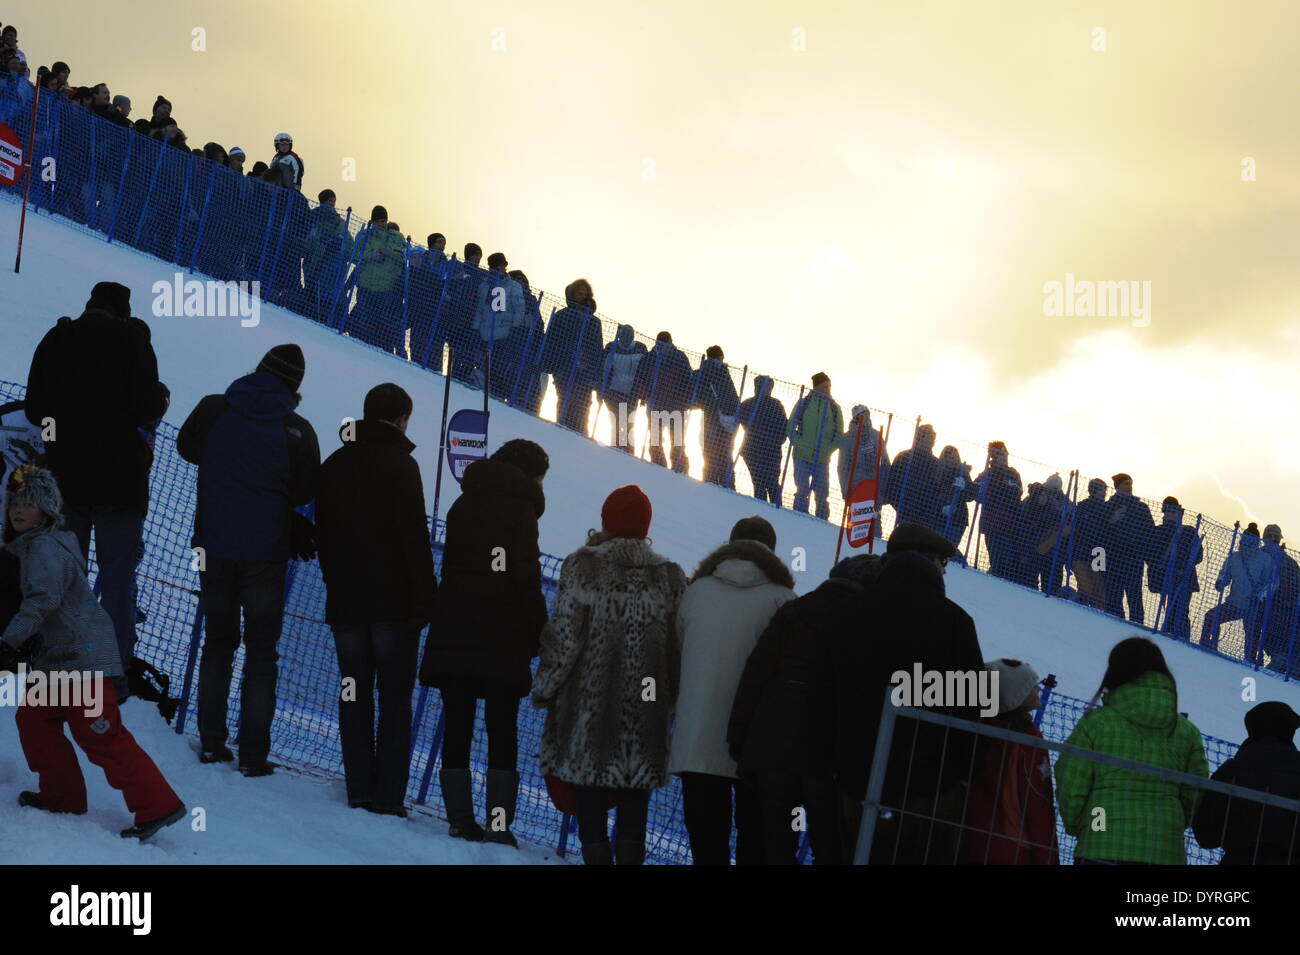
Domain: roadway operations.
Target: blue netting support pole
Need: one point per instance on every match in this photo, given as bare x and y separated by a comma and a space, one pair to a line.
196, 632
1045, 697
1167, 583
524, 359
1295, 631
730, 476
1076, 480
1184, 582
566, 825
805, 847
121, 186
573, 370
344, 258
434, 747
907, 472
183, 213
266, 231
1232, 547
447, 264
749, 425
1053, 568
400, 337
153, 186
606, 371
92, 213
358, 256
279, 237
653, 433
55, 125
541, 352
1267, 609
203, 218
789, 451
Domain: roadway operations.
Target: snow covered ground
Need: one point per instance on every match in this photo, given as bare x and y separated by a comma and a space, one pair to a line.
292, 818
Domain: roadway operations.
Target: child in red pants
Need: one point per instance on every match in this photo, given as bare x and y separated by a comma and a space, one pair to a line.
60, 627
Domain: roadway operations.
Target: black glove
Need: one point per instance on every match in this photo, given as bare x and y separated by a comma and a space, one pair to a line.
31, 648
303, 537
8, 658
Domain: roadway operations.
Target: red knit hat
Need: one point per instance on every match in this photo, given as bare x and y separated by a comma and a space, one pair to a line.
626, 512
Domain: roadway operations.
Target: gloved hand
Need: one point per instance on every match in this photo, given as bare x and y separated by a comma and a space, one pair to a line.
728, 422
303, 537
946, 510
959, 482
8, 658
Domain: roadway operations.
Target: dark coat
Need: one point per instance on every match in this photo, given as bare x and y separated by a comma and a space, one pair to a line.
908, 620
714, 389
765, 424
574, 333
922, 499
1268, 765
1089, 530
97, 378
664, 379
782, 715
1001, 489
950, 495
257, 460
1186, 555
1128, 532
372, 532
491, 608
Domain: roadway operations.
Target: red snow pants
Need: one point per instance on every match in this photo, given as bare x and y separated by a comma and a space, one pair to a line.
107, 743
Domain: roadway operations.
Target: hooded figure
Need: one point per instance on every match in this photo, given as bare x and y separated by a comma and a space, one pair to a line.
764, 420
868, 449
623, 357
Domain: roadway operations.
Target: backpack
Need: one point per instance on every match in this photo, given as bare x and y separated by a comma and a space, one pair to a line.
144, 680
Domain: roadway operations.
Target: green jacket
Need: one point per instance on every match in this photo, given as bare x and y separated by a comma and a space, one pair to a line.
1145, 818
382, 255
816, 425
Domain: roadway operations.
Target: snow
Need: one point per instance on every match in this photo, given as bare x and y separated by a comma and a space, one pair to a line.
298, 818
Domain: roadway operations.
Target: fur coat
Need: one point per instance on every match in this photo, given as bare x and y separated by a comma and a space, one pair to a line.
611, 632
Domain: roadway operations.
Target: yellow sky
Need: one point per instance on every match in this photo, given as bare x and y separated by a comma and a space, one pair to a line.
878, 190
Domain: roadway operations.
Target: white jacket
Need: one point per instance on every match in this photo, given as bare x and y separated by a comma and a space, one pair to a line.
725, 610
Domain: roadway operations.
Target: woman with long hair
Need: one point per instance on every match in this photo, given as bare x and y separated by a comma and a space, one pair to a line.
1121, 816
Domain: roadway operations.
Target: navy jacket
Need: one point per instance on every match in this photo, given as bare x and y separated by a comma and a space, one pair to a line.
1268, 765
765, 423
258, 460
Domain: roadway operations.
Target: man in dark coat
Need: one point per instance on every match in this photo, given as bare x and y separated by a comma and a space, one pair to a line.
1088, 545
1250, 832
93, 385
485, 632
257, 461
663, 381
716, 393
464, 291
911, 487
573, 355
764, 420
1175, 550
1283, 622
999, 497
908, 622
378, 567
782, 720
1128, 531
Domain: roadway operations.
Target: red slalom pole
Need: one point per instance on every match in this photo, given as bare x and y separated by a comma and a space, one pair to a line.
27, 166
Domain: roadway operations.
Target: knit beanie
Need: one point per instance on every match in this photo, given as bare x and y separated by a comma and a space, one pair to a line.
31, 484
112, 298
1016, 680
286, 363
160, 101
626, 512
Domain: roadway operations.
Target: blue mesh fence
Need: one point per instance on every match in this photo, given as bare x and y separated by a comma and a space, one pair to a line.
305, 729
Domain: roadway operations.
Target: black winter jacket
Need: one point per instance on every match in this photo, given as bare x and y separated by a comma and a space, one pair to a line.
1268, 765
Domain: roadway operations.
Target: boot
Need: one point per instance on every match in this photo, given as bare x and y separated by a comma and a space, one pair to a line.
458, 798
502, 791
630, 853
598, 853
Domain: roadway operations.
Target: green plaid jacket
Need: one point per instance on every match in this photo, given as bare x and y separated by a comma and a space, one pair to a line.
1144, 818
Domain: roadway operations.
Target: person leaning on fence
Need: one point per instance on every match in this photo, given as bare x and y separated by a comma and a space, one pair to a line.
258, 460
911, 487
527, 388
1173, 554
867, 446
1128, 533
816, 424
730, 601
1046, 533
377, 316
572, 355
999, 497
608, 677
1088, 546
623, 357
907, 621
956, 489
1121, 816
487, 622
378, 568
464, 292
1283, 625
1249, 576
328, 246
60, 629
663, 382
500, 312
1010, 811
781, 728
716, 394
1251, 833
764, 420
94, 380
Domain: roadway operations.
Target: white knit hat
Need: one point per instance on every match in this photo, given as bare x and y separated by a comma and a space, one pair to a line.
31, 484
1016, 680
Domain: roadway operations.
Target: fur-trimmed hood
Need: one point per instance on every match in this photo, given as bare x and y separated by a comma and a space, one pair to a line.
745, 564
625, 551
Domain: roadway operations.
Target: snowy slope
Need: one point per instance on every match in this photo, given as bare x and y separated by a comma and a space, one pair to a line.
198, 356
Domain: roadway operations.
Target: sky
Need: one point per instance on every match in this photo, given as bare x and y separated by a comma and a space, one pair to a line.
883, 191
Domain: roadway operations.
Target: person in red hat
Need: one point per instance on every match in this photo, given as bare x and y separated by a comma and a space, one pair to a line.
608, 676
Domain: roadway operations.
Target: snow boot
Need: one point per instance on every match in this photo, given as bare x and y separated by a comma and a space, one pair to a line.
502, 791
221, 754
143, 830
598, 853
264, 768
631, 853
458, 798
29, 798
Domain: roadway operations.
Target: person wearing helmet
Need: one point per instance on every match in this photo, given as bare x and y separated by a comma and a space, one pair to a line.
287, 162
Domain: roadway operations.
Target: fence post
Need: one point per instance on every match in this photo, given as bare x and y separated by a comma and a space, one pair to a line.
901, 503
1044, 698
344, 259
188, 684
358, 254
203, 218
121, 186
183, 212
1053, 568
730, 476
1232, 547
1295, 631
447, 264
789, 451
876, 782
400, 337
434, 747
523, 360
153, 186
